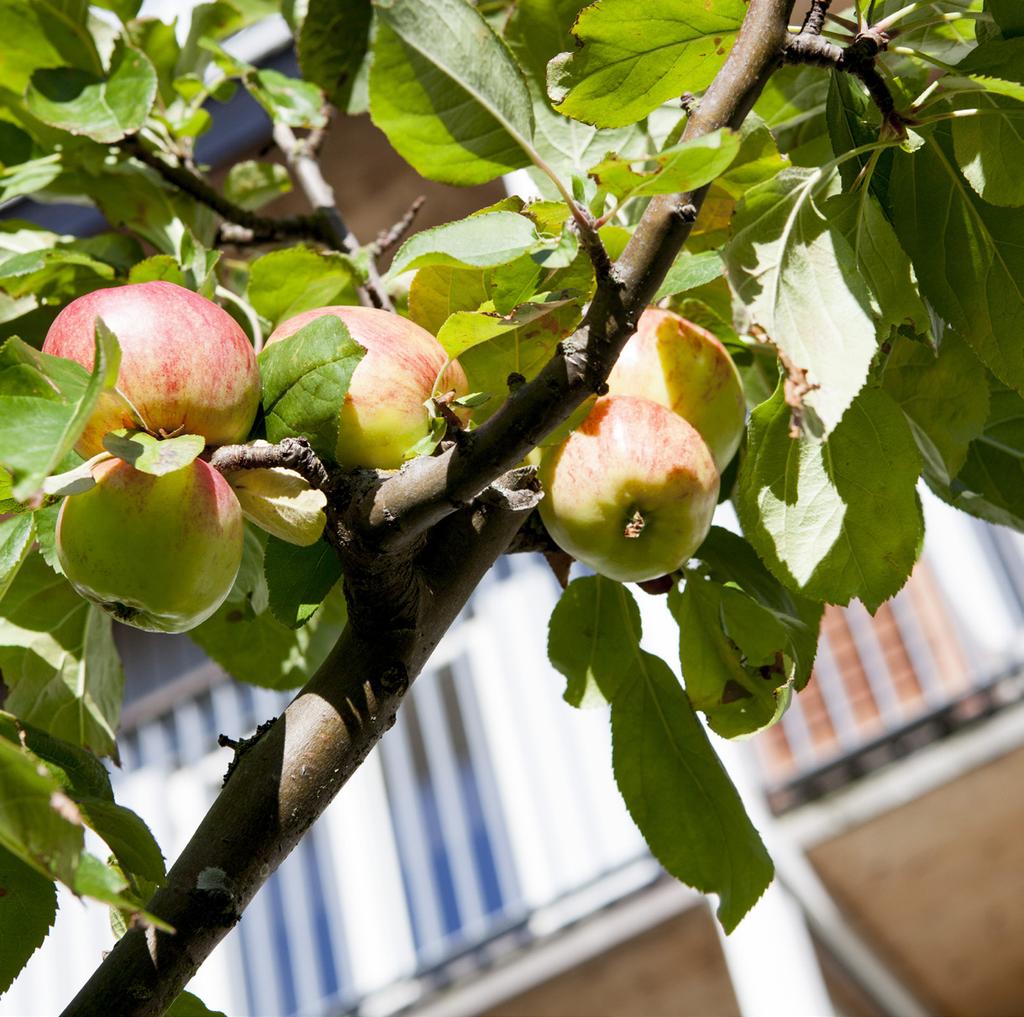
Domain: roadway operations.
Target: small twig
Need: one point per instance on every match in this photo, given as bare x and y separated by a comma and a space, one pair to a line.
259, 228
242, 746
321, 196
387, 239
293, 454
858, 58
314, 141
814, 22
587, 229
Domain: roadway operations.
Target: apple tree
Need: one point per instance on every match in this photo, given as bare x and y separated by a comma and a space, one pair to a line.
236, 424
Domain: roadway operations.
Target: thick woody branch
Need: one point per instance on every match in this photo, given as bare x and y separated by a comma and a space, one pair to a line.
290, 453
284, 779
406, 505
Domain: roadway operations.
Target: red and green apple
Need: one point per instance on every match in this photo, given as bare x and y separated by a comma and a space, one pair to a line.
631, 491
384, 412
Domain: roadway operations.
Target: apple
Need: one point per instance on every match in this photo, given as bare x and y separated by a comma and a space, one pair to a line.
159, 553
384, 413
186, 365
631, 491
684, 367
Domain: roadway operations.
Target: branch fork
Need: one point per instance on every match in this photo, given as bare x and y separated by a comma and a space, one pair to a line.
857, 58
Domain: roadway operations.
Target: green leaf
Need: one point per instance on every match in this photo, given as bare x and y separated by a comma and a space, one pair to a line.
46, 535
673, 784
689, 271
124, 9
29, 176
945, 397
1009, 16
156, 456
853, 120
34, 811
45, 405
290, 101
990, 485
84, 778
106, 884
157, 40
77, 480
288, 282
53, 276
537, 31
16, 537
1000, 58
305, 380
481, 241
77, 770
39, 34
160, 267
126, 835
797, 277
258, 649
683, 167
447, 93
58, 659
731, 653
630, 59
585, 642
792, 104
281, 502
523, 349
252, 184
728, 559
466, 329
835, 519
438, 291
332, 45
881, 261
188, 1005
209, 21
105, 109
969, 260
28, 907
989, 149
299, 578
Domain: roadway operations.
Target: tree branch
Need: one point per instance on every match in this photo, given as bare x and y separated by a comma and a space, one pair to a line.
404, 506
285, 779
320, 195
290, 453
814, 22
387, 239
420, 520
259, 228
858, 58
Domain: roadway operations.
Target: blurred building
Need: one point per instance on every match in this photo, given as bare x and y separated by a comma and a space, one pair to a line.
481, 862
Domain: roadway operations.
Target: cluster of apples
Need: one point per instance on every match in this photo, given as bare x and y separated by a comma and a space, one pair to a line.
162, 552
632, 490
